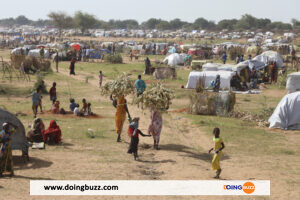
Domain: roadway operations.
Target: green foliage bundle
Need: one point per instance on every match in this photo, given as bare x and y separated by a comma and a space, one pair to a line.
156, 96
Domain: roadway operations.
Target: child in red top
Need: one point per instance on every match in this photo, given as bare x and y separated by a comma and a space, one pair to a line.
133, 133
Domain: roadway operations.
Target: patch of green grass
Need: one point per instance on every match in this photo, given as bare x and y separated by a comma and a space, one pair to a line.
244, 136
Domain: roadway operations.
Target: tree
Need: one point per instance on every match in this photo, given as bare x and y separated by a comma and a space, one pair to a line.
61, 21
202, 23
22, 20
176, 24
227, 24
151, 23
246, 22
163, 25
84, 21
296, 23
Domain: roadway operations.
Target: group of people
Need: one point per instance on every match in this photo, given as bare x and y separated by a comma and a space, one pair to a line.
154, 128
239, 58
38, 133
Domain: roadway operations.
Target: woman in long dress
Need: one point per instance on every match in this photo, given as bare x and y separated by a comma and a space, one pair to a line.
72, 66
155, 126
6, 161
120, 117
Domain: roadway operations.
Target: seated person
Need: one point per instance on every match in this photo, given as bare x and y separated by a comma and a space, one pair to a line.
53, 134
72, 104
76, 110
55, 108
235, 82
89, 110
84, 106
35, 135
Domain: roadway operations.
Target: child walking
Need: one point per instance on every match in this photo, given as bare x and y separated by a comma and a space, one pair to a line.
219, 146
134, 133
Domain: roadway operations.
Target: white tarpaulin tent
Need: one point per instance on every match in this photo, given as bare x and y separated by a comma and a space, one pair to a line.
175, 59
210, 76
211, 66
293, 82
287, 113
36, 53
270, 56
223, 67
256, 64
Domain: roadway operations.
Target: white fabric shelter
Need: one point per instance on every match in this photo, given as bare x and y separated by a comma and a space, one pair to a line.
293, 82
287, 113
175, 59
36, 53
270, 56
210, 76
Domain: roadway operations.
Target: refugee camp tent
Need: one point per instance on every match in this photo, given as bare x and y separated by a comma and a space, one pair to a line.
293, 82
36, 53
76, 46
211, 66
209, 76
270, 56
256, 64
17, 51
19, 141
175, 59
172, 50
287, 113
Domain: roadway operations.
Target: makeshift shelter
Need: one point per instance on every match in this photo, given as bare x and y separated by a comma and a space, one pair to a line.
287, 113
256, 64
211, 103
293, 82
175, 59
172, 50
36, 53
19, 141
270, 56
209, 76
76, 46
164, 72
211, 66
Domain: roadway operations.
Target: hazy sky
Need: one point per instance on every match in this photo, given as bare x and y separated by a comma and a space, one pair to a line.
141, 10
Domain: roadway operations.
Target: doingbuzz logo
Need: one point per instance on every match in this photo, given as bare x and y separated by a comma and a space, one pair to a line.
247, 187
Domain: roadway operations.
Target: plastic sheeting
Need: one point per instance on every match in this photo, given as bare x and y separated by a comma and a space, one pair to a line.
36, 53
19, 140
293, 82
221, 67
256, 64
211, 66
287, 113
175, 59
225, 76
270, 56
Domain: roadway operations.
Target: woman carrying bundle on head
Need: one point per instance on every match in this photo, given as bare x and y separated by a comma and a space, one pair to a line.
133, 133
155, 126
122, 109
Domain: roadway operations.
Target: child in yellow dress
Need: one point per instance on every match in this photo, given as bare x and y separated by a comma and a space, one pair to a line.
219, 146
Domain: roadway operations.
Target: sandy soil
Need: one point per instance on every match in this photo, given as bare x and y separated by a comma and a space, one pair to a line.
183, 156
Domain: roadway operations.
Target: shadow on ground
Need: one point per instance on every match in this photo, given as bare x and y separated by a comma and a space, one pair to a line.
33, 163
189, 152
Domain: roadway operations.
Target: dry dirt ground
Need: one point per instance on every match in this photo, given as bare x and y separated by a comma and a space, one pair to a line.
183, 156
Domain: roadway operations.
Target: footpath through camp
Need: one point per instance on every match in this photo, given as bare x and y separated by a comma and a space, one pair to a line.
183, 147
